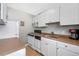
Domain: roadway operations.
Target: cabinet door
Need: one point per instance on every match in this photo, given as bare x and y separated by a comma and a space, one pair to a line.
52, 15
35, 21
64, 52
48, 47
51, 49
2, 10
37, 45
44, 48
41, 21
28, 39
70, 47
5, 11
69, 14
31, 40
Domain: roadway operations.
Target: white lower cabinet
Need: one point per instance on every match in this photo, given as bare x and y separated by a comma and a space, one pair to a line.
44, 47
51, 49
65, 52
31, 41
34, 43
64, 49
37, 45
48, 47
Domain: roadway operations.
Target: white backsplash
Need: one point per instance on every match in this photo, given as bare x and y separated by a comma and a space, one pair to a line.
57, 29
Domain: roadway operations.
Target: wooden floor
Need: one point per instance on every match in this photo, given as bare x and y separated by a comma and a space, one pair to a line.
10, 45
31, 52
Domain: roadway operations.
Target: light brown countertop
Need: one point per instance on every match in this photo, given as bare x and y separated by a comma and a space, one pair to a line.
61, 38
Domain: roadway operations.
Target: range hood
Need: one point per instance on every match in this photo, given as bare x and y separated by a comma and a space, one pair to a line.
2, 22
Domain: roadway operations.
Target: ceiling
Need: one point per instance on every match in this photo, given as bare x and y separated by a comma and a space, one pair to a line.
31, 8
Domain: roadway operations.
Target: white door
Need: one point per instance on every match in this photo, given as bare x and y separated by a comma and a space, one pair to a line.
51, 49
64, 52
69, 14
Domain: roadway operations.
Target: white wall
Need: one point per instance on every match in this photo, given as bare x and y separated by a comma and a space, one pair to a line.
9, 30
57, 29
16, 15
12, 27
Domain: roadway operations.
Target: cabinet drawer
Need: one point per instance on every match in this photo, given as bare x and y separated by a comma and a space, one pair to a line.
51, 41
70, 47
61, 44
73, 48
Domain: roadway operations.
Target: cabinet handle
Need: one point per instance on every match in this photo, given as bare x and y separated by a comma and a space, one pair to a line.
66, 46
37, 23
57, 48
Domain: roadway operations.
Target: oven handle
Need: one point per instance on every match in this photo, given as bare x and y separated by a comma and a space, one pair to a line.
37, 37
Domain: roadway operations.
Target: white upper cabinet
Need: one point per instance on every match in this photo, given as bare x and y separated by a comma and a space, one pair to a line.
3, 13
52, 14
69, 14
35, 22
65, 13
39, 21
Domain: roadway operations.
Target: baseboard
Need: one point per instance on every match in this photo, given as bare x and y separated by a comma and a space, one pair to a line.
7, 36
